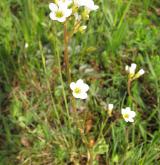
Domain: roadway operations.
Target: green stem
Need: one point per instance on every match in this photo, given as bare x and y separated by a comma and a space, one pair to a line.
129, 92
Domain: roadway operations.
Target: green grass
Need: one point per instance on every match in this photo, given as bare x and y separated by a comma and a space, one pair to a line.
37, 126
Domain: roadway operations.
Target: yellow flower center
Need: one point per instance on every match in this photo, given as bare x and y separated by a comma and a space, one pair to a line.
126, 116
77, 90
59, 14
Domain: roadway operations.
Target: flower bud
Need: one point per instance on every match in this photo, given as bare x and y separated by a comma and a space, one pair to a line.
85, 14
139, 74
82, 29
110, 109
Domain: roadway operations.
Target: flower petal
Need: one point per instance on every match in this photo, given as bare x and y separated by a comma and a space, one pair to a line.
52, 16
131, 120
128, 109
76, 95
133, 66
110, 107
53, 7
68, 12
123, 111
83, 96
85, 87
72, 85
79, 82
62, 19
96, 7
126, 119
132, 114
132, 69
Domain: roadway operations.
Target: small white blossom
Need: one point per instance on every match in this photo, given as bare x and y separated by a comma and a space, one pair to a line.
128, 115
79, 89
60, 10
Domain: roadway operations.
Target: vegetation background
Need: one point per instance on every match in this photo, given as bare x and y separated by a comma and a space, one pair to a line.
35, 125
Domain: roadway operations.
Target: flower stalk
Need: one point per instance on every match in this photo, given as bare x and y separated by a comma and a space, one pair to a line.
66, 55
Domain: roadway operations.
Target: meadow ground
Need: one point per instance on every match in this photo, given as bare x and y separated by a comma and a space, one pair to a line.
37, 123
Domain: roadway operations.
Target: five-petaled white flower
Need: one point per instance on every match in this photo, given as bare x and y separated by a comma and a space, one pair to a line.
128, 115
60, 10
89, 4
132, 69
79, 89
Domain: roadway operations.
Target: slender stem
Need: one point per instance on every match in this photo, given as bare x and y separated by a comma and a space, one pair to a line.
66, 62
129, 92
66, 56
129, 88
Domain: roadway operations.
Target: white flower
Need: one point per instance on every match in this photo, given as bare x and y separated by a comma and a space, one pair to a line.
128, 115
89, 4
60, 11
110, 109
132, 69
79, 89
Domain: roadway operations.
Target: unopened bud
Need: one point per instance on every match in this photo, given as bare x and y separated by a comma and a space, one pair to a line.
82, 29
139, 74
110, 109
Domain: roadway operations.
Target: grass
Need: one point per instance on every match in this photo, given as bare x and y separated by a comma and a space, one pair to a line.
37, 126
